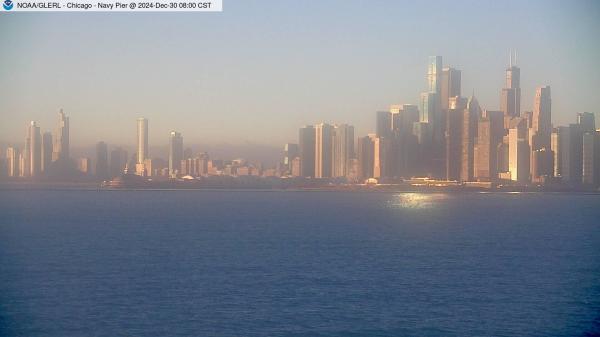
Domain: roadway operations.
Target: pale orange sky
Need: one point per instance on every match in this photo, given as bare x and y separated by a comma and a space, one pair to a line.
255, 75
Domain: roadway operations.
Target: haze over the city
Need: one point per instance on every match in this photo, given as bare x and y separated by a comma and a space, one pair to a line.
254, 75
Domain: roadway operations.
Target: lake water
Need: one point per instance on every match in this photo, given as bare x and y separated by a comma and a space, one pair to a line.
252, 263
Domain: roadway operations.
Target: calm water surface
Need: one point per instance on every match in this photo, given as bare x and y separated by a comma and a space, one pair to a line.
209, 263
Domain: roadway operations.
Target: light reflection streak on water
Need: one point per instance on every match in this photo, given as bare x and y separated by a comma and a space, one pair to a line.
416, 200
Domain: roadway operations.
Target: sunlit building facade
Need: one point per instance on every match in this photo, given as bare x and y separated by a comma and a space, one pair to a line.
323, 150
142, 146
175, 153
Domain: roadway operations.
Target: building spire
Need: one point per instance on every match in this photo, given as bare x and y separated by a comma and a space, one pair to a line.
512, 57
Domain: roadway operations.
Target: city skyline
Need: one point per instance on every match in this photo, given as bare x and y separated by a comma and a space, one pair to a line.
449, 87
448, 137
309, 75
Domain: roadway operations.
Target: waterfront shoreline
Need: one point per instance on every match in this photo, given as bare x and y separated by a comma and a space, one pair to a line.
351, 188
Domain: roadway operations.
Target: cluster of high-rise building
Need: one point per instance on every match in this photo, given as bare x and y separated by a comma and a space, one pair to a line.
446, 137
450, 137
42, 151
323, 151
182, 163
48, 155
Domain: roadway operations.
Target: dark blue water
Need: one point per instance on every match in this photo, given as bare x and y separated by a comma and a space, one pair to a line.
200, 263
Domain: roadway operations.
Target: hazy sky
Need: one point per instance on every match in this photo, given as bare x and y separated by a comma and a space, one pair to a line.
261, 69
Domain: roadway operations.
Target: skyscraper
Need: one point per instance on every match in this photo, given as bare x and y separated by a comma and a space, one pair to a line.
468, 136
24, 163
12, 162
542, 165
513, 79
290, 151
587, 121
378, 156
454, 129
432, 149
541, 136
429, 113
510, 98
542, 118
35, 149
571, 153
142, 146
490, 131
61, 144
190, 166
558, 141
457, 102
432, 135
404, 142
306, 144
383, 124
369, 158
591, 159
204, 158
323, 150
422, 131
483, 151
450, 87
403, 118
343, 149
142, 140
365, 157
47, 150
428, 108
519, 152
434, 72
387, 125
175, 153
118, 161
102, 172
590, 149
556, 152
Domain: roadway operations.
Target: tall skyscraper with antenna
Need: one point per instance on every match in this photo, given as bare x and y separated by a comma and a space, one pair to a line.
510, 97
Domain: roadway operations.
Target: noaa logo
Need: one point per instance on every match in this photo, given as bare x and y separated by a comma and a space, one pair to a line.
8, 5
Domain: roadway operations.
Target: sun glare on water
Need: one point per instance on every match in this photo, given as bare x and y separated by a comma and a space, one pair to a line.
416, 200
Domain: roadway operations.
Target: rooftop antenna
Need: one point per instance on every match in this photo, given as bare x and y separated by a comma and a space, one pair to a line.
510, 58
515, 56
